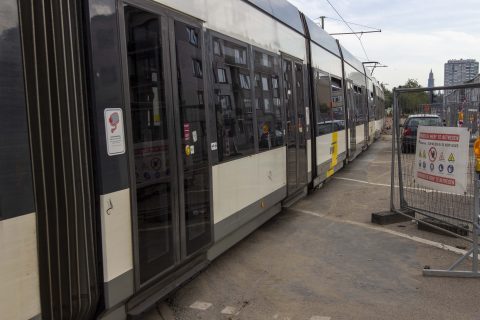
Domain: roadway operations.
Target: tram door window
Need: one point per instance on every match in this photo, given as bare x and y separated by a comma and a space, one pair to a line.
352, 119
193, 133
296, 124
338, 106
168, 130
323, 101
303, 129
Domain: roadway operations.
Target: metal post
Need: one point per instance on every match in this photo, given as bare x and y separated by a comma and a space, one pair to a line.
392, 167
399, 159
476, 214
323, 21
473, 251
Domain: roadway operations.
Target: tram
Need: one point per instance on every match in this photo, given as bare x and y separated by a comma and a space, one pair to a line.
141, 139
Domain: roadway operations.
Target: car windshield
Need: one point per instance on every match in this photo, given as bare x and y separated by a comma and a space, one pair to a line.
431, 121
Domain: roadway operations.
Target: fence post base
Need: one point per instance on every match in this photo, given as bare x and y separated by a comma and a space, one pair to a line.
453, 274
456, 273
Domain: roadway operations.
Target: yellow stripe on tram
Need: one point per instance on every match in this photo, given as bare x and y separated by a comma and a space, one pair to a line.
334, 151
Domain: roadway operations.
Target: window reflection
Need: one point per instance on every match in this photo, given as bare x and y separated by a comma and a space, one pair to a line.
151, 145
193, 130
323, 102
233, 105
267, 101
338, 106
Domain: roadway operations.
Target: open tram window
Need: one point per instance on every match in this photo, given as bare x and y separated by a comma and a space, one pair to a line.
233, 104
323, 103
267, 101
338, 106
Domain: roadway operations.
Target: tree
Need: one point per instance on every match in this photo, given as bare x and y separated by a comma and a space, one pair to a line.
409, 103
388, 96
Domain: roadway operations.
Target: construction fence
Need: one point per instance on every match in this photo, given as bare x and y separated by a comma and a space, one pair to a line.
433, 163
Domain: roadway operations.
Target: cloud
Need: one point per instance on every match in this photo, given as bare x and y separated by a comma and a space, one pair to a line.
416, 35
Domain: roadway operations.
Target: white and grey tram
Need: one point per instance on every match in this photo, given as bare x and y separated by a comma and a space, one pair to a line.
140, 139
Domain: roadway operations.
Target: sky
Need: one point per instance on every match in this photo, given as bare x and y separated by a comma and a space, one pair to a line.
417, 35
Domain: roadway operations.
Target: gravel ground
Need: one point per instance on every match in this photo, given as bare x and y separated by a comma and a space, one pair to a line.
322, 259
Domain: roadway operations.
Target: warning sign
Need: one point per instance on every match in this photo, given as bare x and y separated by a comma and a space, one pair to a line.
114, 132
441, 173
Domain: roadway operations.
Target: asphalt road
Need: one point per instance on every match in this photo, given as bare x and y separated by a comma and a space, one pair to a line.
322, 259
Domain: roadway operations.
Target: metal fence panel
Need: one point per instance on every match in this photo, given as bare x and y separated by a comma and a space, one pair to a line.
459, 107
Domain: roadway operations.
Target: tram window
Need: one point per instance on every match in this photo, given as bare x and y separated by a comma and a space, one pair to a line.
150, 132
267, 101
233, 104
338, 106
359, 112
323, 103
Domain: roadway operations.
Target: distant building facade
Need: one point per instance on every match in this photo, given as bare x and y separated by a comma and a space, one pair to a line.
459, 71
431, 80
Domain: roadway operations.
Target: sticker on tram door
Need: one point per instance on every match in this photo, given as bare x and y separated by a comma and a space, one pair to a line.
114, 131
186, 131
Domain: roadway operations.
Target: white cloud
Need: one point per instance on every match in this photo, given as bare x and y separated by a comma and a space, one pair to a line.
416, 35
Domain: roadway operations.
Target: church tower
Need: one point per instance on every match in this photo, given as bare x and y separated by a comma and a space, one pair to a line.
431, 81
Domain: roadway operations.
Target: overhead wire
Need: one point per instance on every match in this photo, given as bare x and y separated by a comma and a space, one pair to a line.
346, 23
352, 23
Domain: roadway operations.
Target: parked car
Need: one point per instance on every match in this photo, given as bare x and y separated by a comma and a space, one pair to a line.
410, 126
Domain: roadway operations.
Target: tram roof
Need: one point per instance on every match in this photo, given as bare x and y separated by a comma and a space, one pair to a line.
321, 37
282, 10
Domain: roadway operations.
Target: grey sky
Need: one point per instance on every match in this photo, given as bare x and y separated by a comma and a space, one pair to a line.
417, 35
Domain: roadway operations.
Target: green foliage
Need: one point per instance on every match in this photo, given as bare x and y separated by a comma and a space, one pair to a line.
409, 102
388, 97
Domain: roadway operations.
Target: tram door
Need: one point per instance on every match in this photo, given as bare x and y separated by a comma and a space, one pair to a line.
293, 80
167, 132
365, 109
352, 120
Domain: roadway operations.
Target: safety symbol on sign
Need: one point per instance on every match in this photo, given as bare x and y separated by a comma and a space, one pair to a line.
114, 120
424, 155
432, 154
424, 164
442, 157
432, 167
420, 163
451, 158
440, 167
450, 169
